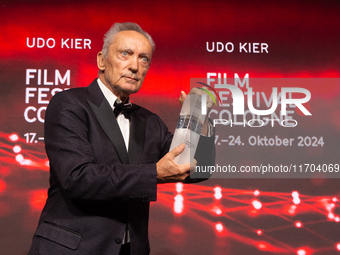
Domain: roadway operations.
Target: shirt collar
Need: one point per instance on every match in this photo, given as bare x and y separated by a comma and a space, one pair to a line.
110, 97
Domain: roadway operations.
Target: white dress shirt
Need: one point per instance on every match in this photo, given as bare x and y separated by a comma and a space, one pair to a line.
124, 123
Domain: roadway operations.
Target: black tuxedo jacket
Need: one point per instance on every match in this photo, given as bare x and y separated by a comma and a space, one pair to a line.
97, 188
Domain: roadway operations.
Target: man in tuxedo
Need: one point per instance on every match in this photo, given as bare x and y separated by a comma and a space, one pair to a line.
107, 156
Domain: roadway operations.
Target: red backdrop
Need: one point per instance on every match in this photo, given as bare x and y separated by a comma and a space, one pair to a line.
221, 215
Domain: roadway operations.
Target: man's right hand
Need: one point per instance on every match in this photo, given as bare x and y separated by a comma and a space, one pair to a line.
169, 171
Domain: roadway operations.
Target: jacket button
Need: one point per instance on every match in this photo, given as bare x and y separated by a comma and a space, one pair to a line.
146, 197
118, 240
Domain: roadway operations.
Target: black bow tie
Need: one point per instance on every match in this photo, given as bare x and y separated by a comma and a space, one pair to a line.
126, 109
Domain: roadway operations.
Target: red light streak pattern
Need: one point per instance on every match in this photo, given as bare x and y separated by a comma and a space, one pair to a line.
21, 153
257, 204
229, 217
251, 218
338, 246
219, 227
2, 185
298, 224
38, 199
256, 193
301, 252
218, 194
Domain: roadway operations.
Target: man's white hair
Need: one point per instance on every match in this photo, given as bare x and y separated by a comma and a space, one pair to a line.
119, 27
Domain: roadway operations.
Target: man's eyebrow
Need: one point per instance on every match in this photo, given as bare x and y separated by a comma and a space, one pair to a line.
125, 49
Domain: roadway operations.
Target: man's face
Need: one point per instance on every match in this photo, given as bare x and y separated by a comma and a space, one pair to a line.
127, 63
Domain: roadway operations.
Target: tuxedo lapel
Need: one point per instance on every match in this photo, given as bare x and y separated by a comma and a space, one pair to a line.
104, 114
137, 136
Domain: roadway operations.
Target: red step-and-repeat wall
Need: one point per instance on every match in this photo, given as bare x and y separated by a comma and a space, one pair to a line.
49, 46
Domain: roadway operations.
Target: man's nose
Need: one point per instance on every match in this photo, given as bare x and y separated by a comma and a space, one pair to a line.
134, 64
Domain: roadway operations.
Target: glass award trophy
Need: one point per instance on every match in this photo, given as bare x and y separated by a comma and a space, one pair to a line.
188, 128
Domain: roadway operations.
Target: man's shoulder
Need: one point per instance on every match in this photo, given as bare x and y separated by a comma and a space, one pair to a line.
79, 93
147, 113
142, 110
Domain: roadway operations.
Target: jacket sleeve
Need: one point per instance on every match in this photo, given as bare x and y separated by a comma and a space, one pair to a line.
205, 156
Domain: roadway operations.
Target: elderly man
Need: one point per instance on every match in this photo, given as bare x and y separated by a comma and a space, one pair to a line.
106, 157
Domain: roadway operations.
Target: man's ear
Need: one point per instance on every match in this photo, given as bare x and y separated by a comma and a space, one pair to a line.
101, 61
